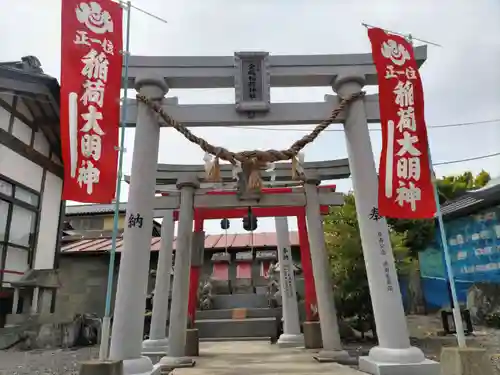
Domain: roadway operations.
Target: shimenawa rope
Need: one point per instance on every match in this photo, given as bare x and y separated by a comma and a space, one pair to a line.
255, 159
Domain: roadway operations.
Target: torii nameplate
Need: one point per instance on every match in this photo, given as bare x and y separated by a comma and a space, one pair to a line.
251, 82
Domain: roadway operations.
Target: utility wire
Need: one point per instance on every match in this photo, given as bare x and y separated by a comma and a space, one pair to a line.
460, 160
467, 159
341, 130
372, 129
266, 128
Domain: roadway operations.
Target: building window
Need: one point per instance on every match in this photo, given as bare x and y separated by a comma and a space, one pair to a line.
26, 196
22, 226
19, 215
4, 211
6, 188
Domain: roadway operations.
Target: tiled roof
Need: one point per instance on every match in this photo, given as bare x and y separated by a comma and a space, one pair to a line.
212, 242
25, 79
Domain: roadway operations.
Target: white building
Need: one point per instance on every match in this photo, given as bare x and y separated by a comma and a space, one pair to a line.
31, 179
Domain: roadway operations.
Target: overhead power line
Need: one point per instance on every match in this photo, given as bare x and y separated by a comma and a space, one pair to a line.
467, 159
266, 128
372, 129
456, 161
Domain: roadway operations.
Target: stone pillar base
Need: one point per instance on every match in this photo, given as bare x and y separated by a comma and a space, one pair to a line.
155, 346
137, 366
169, 363
312, 335
101, 368
426, 367
465, 361
338, 356
287, 340
192, 343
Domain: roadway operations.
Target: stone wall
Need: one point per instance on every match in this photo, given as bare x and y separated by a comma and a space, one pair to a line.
84, 283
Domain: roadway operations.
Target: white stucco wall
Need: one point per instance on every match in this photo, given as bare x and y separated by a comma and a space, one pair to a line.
20, 169
47, 235
5, 115
41, 144
21, 131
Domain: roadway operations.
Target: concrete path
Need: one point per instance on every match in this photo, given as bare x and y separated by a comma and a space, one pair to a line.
258, 357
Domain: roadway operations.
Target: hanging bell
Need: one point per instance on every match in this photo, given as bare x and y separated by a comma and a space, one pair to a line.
225, 224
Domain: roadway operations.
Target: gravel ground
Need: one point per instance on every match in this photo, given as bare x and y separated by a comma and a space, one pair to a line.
423, 329
44, 362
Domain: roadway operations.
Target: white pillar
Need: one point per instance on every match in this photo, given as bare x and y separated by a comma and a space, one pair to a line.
15, 302
291, 336
130, 302
330, 335
34, 301
158, 341
394, 345
180, 292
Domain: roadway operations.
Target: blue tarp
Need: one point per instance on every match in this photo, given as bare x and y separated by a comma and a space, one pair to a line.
474, 246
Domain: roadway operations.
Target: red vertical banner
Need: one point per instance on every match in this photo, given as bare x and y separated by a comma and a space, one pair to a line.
405, 180
91, 73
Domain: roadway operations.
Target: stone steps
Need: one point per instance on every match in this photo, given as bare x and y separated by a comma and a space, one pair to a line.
265, 327
243, 300
224, 339
230, 313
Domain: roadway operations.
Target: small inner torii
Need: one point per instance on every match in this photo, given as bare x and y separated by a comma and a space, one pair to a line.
252, 74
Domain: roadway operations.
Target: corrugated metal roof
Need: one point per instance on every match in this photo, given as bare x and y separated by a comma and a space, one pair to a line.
466, 203
212, 242
459, 204
85, 209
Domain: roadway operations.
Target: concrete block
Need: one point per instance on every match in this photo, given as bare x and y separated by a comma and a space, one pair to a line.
465, 361
101, 368
192, 343
312, 335
426, 367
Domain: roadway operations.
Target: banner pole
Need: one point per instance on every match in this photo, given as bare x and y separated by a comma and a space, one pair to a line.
106, 323
457, 315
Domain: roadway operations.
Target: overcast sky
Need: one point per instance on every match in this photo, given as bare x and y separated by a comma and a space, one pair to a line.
461, 80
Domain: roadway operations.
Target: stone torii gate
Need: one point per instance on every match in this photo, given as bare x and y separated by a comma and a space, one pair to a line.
252, 74
224, 200
167, 174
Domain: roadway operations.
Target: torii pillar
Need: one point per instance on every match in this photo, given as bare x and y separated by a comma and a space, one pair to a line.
128, 321
291, 336
394, 354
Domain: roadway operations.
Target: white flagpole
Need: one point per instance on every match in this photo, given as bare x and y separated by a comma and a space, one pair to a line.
457, 314
106, 322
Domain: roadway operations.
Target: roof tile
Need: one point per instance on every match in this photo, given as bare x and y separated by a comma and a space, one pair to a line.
212, 241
